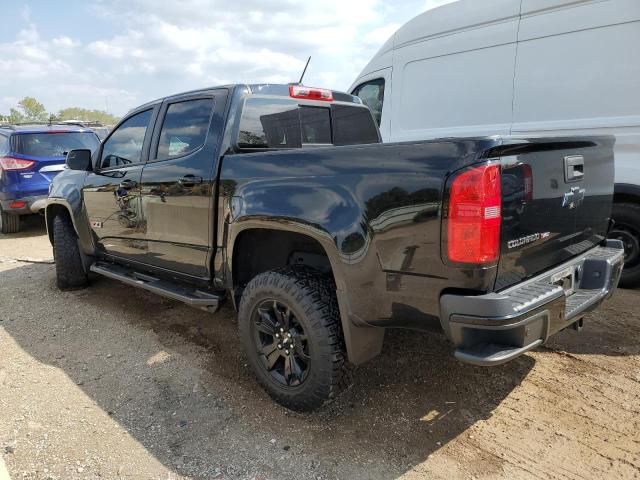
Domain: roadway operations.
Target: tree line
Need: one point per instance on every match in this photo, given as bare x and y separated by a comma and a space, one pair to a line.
31, 110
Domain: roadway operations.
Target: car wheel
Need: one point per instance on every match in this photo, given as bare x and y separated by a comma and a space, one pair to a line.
290, 329
627, 229
9, 223
70, 273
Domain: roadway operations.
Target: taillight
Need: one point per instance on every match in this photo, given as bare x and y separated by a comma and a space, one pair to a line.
308, 93
17, 204
12, 163
474, 220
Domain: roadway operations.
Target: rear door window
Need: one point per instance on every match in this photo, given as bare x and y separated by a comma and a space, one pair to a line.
185, 128
53, 144
372, 95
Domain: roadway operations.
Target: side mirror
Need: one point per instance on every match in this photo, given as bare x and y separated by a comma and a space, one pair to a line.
79, 160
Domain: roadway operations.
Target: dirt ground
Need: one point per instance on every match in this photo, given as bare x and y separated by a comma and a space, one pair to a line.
114, 383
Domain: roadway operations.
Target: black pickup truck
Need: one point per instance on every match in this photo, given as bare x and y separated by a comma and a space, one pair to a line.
282, 200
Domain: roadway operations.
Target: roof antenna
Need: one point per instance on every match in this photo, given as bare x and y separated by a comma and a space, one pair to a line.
304, 71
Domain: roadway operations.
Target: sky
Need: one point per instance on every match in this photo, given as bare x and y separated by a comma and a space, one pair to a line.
114, 55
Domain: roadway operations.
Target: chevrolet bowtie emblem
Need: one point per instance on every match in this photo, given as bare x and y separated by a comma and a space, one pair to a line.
573, 198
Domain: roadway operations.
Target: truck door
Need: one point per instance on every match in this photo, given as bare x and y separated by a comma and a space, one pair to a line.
112, 191
178, 183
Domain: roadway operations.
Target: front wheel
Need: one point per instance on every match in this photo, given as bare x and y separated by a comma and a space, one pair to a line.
70, 273
290, 329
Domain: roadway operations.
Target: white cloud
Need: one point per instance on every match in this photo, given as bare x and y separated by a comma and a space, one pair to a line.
159, 48
65, 42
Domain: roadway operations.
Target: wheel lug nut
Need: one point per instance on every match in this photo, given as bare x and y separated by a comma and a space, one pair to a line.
277, 335
280, 346
287, 352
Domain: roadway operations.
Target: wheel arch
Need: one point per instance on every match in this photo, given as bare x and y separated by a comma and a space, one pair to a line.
626, 192
362, 342
59, 206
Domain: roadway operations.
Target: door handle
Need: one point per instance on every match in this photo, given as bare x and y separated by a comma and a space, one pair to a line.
189, 180
573, 168
128, 184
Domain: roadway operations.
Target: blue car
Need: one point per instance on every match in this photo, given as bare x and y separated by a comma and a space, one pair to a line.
30, 156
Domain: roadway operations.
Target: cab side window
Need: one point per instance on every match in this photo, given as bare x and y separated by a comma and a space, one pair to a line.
124, 146
372, 95
185, 128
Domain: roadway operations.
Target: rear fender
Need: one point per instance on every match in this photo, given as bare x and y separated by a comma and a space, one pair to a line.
362, 342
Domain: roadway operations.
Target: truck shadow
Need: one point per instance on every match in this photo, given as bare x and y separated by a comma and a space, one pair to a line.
175, 379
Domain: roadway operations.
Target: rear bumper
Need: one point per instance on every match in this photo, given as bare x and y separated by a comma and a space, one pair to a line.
34, 204
494, 328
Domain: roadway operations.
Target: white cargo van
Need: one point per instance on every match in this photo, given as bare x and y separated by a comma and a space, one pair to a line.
530, 67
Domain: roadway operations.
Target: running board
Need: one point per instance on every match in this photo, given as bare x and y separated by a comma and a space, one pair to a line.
196, 298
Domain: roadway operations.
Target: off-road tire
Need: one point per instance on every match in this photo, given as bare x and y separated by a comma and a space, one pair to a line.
9, 223
70, 273
627, 220
311, 296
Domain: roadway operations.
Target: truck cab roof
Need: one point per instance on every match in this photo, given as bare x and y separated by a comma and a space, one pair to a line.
262, 89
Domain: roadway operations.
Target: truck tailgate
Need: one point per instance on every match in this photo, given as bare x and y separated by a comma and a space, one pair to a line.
557, 198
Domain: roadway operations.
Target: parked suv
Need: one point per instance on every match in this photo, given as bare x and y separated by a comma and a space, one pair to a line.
30, 156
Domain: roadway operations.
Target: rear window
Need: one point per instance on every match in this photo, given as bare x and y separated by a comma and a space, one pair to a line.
4, 145
276, 123
269, 123
53, 144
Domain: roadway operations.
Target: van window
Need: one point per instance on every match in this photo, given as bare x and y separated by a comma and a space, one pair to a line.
372, 95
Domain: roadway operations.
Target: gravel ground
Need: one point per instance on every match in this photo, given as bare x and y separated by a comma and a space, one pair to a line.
114, 383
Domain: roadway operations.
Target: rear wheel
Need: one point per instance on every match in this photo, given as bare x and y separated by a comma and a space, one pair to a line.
70, 273
9, 223
627, 229
290, 328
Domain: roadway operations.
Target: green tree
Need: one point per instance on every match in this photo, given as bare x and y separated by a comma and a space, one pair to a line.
85, 115
15, 116
33, 110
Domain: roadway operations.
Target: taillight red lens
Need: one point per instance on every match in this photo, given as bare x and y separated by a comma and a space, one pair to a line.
308, 93
11, 163
473, 225
17, 204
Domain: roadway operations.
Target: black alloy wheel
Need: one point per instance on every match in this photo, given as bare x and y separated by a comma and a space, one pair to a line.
281, 343
289, 325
